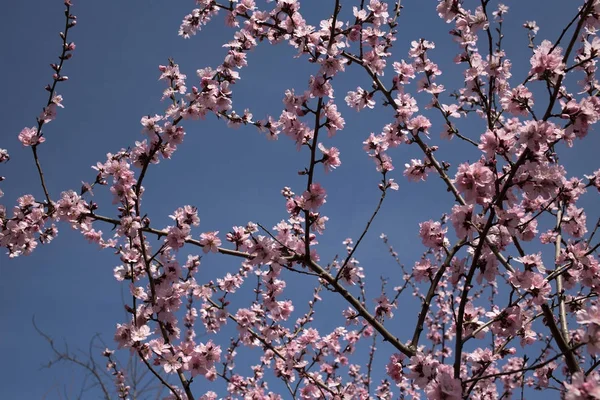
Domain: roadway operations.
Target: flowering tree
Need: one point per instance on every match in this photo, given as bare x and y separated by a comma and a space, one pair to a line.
505, 291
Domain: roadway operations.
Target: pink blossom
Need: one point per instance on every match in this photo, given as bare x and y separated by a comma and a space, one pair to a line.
419, 124
537, 135
540, 289
359, 99
176, 236
517, 101
394, 367
508, 322
422, 369
406, 106
320, 87
48, 113
171, 363
383, 162
352, 272
123, 336
379, 10
30, 137
448, 9
210, 395
532, 26
416, 170
432, 234
210, 242
4, 155
405, 72
445, 387
334, 121
461, 218
583, 387
575, 221
230, 283
331, 157
544, 61
314, 198
423, 270
474, 181
384, 307
280, 310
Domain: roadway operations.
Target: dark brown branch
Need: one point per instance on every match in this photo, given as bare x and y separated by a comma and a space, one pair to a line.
65, 356
430, 293
570, 360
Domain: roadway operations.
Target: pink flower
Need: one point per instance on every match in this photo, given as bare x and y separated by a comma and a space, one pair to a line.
531, 261
415, 171
406, 106
574, 222
263, 250
394, 367
334, 122
379, 10
518, 101
151, 125
123, 336
188, 215
540, 289
419, 124
383, 162
230, 283
319, 224
139, 334
331, 66
582, 115
352, 272
445, 387
537, 135
48, 113
314, 197
176, 236
461, 220
359, 99
448, 9
423, 270
475, 181
280, 310
331, 157
589, 315
432, 234
210, 395
531, 26
171, 363
384, 307
392, 185
508, 322
320, 87
309, 337
30, 137
545, 62
422, 369
4, 155
210, 242
405, 72
583, 387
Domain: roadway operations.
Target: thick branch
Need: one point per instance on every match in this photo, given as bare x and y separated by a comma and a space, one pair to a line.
572, 363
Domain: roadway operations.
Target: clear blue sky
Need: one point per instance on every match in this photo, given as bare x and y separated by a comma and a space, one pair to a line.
232, 176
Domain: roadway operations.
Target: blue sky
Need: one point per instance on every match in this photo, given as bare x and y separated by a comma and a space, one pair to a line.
232, 176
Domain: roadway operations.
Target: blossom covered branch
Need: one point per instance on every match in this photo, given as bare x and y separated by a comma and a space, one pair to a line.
481, 282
